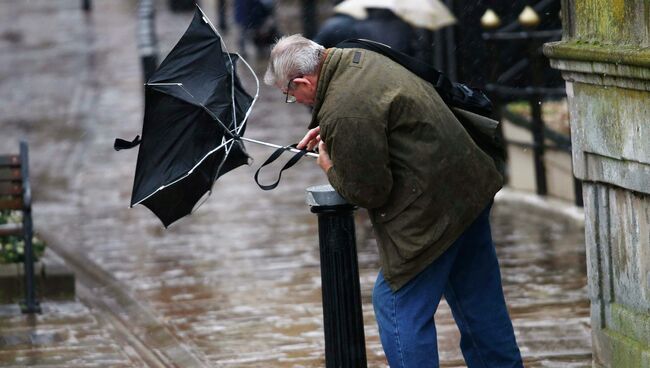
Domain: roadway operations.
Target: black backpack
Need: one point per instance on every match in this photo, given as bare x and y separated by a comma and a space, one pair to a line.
453, 93
470, 105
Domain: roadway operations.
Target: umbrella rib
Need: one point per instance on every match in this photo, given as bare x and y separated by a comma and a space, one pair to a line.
232, 71
232, 67
194, 103
184, 89
186, 174
225, 128
207, 20
310, 154
257, 93
232, 76
212, 115
215, 117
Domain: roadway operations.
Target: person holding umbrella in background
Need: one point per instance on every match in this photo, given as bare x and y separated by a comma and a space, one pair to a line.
401, 24
387, 142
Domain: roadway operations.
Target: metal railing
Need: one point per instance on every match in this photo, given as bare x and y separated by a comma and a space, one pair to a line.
533, 66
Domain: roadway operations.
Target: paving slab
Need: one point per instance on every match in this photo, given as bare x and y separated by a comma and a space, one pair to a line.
65, 334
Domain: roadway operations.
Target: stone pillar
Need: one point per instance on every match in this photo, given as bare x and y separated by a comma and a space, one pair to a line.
605, 59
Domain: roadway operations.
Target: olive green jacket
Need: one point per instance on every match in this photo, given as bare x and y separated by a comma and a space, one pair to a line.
398, 151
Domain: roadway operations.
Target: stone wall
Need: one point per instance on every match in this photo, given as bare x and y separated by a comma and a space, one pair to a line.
605, 59
618, 256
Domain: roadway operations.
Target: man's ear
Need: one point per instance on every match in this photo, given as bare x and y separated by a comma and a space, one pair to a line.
302, 80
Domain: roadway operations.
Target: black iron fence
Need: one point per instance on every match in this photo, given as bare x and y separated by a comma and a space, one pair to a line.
526, 80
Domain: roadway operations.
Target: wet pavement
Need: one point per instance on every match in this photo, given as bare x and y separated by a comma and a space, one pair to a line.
236, 284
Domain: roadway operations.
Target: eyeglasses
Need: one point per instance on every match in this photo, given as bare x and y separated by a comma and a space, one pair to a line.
289, 98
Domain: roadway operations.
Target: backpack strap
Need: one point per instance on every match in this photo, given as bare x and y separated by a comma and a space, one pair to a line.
470, 105
416, 66
452, 93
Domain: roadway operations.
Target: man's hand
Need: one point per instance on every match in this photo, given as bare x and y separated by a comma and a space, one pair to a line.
311, 140
324, 160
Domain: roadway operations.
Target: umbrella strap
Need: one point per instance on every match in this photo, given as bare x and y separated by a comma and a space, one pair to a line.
121, 144
274, 156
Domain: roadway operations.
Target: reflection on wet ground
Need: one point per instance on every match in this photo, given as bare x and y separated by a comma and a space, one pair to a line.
66, 334
238, 282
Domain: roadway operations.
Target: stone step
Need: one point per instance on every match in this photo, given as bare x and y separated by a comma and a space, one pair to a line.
54, 280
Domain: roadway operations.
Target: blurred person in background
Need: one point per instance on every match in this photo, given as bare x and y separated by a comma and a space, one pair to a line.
388, 143
381, 25
257, 25
400, 24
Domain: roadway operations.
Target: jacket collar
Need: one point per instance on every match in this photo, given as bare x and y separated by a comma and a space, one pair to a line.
330, 63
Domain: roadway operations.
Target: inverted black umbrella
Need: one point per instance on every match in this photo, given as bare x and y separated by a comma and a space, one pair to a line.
195, 111
195, 115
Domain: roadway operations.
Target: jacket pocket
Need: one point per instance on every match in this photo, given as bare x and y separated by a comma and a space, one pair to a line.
403, 194
408, 225
411, 235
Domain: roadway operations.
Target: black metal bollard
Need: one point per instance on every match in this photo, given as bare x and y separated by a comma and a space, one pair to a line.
182, 5
342, 315
147, 44
149, 65
535, 102
86, 5
309, 18
221, 11
30, 304
491, 24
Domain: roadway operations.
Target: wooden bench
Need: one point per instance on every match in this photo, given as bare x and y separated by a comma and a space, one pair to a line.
16, 195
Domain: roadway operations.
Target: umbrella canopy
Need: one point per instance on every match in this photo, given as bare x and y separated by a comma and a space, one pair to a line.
195, 113
429, 14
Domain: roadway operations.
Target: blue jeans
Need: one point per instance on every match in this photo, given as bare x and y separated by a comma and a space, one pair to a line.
469, 277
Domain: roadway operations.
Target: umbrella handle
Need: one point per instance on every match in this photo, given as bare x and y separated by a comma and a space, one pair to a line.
313, 154
287, 148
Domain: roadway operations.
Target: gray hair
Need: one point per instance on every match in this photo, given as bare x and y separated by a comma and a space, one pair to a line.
292, 56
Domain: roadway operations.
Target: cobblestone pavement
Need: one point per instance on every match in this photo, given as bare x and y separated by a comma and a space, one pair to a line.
237, 283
